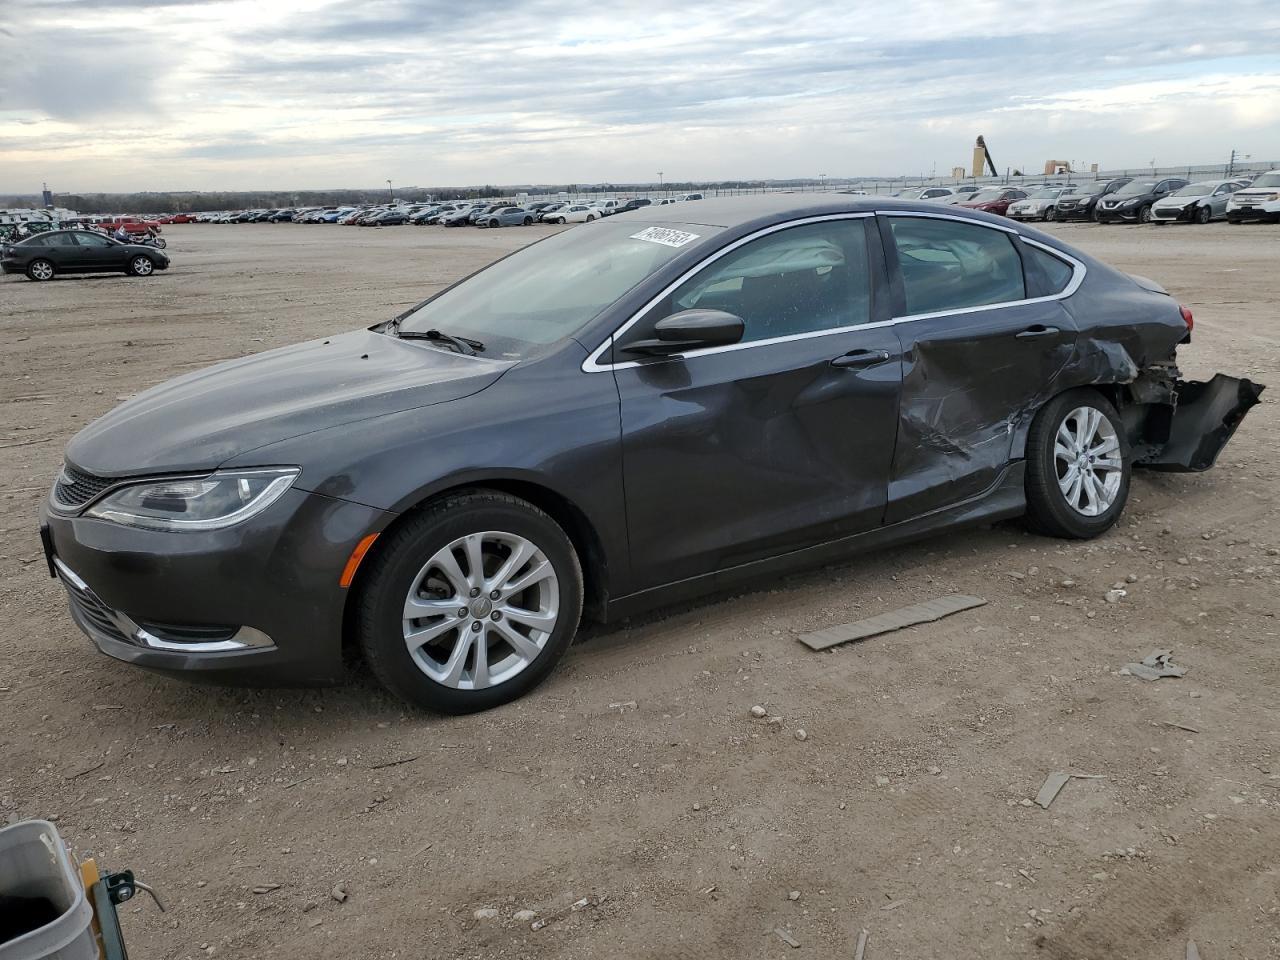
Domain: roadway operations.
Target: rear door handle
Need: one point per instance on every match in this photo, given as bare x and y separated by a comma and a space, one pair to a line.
1039, 330
856, 359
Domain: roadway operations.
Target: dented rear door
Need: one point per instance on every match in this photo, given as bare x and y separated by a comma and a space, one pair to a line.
970, 375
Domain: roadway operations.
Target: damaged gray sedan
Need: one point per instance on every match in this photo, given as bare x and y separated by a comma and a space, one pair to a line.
661, 405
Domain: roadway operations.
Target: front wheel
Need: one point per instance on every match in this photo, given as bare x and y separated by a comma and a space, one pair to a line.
1144, 214
1078, 466
528, 221
40, 270
1203, 215
141, 266
1096, 216
471, 603
1050, 215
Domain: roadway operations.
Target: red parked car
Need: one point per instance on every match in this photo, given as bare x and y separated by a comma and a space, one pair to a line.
177, 218
131, 225
994, 199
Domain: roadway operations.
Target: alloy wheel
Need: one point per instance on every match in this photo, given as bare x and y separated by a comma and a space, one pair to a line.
142, 266
42, 270
481, 610
1087, 459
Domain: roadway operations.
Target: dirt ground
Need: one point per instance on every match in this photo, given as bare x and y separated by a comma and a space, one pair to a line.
680, 826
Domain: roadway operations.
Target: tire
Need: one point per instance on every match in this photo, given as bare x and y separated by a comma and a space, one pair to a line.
528, 221
1053, 506
1203, 215
1144, 213
559, 220
141, 266
1234, 221
1095, 216
40, 270
409, 562
1050, 215
590, 217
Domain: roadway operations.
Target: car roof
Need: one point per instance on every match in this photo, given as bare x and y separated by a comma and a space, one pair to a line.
736, 211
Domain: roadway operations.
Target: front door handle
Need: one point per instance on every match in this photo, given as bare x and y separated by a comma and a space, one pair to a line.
856, 359
1038, 330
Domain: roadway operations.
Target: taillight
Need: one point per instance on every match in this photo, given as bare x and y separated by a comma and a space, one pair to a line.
1187, 318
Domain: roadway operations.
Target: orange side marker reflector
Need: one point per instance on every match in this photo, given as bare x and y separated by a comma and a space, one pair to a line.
353, 562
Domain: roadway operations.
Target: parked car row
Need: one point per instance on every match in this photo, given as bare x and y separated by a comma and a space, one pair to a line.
1121, 199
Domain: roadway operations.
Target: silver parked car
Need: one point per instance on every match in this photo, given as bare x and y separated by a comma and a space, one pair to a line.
1199, 202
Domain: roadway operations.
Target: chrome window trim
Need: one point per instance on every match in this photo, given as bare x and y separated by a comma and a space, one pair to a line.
592, 363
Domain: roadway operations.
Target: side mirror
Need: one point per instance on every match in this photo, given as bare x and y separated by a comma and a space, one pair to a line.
691, 330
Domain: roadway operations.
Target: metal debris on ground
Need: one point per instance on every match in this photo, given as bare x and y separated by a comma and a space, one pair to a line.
786, 937
624, 706
861, 948
1193, 952
1053, 784
1158, 664
910, 616
339, 892
1179, 726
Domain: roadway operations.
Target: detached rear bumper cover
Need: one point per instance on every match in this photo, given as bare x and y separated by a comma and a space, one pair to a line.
1199, 425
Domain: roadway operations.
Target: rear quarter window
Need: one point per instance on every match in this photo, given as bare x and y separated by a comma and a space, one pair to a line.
1055, 273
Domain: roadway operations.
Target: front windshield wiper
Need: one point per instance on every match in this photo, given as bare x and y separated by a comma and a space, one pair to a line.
464, 345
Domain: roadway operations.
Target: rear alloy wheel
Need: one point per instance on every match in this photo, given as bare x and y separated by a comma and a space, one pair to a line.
471, 603
1203, 215
141, 266
528, 221
40, 270
1144, 214
1078, 467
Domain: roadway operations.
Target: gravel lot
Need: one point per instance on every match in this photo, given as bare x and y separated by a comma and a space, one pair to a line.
679, 827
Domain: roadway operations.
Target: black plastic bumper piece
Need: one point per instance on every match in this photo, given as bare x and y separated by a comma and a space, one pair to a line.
1206, 416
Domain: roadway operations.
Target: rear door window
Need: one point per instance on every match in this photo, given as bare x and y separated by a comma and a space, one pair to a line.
949, 265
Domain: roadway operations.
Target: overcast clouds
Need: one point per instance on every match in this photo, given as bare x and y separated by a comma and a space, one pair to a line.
244, 94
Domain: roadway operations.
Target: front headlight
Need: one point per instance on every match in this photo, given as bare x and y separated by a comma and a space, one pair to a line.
196, 503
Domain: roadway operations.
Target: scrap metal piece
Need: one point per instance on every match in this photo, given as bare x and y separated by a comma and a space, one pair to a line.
1157, 664
786, 937
910, 616
1052, 785
1193, 952
862, 944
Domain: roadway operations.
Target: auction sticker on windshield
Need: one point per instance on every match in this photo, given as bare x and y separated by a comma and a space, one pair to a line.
665, 236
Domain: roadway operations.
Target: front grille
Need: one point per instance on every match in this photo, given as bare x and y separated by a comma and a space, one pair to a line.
73, 489
96, 614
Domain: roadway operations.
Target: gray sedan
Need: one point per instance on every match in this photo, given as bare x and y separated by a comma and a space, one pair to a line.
506, 217
1198, 202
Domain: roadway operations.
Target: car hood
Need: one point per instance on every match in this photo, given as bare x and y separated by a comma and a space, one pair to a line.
1179, 201
201, 420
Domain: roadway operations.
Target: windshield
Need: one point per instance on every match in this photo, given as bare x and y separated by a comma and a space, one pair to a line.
1196, 189
1136, 188
1045, 194
1090, 189
982, 196
1267, 180
549, 290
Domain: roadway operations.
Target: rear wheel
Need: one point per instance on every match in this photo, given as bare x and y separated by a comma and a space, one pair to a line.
471, 603
141, 266
1078, 466
528, 221
1144, 214
40, 270
1203, 215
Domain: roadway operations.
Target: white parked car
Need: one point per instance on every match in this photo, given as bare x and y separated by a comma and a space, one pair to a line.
575, 213
665, 200
1200, 202
607, 207
928, 193
1260, 200
1038, 205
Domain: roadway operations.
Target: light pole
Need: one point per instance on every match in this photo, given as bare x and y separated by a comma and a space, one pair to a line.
659, 182
390, 193
822, 179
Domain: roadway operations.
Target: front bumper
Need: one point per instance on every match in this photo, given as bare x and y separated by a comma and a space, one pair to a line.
1243, 209
1183, 214
1126, 214
257, 603
1073, 212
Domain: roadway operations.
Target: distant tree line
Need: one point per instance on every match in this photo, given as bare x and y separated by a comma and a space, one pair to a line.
186, 202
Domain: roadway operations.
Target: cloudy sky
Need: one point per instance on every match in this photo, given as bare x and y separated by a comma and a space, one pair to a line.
276, 94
